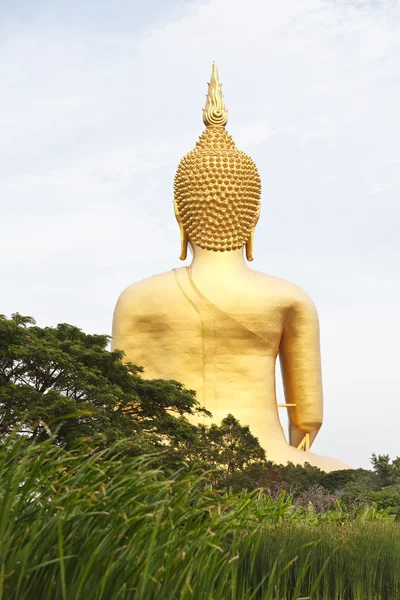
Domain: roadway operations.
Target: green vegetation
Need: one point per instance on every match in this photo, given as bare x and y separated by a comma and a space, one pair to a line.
62, 383
110, 526
107, 491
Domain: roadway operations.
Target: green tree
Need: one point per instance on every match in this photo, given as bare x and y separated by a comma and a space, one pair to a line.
387, 497
300, 478
337, 481
233, 446
235, 455
383, 468
60, 382
387, 470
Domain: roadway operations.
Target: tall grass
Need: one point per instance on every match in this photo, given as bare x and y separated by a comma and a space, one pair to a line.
111, 527
357, 560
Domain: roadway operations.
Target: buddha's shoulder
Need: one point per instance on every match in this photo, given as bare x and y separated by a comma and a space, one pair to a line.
290, 293
149, 293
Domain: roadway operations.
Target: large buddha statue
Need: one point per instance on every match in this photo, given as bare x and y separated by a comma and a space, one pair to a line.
218, 326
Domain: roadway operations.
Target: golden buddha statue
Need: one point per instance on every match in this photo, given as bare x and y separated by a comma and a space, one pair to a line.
218, 326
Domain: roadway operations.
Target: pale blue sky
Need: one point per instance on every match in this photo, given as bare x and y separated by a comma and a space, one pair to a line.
102, 15
100, 101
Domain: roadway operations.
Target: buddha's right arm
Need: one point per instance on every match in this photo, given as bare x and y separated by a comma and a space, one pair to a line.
301, 369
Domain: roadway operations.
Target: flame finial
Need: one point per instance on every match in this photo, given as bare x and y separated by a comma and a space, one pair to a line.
214, 112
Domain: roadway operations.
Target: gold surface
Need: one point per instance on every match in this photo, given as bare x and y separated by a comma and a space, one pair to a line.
214, 112
217, 187
219, 326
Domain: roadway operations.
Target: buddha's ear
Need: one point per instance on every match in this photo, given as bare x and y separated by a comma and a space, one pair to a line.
250, 241
249, 247
184, 236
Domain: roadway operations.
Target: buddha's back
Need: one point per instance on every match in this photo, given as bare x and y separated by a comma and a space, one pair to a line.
218, 340
219, 335
218, 326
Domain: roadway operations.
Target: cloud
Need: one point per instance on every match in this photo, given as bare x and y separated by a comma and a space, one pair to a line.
97, 115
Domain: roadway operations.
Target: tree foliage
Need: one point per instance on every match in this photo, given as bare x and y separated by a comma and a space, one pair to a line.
62, 383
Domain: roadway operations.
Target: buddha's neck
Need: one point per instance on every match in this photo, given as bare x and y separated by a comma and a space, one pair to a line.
220, 263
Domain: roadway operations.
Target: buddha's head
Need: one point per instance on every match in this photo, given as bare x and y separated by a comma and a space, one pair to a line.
217, 187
